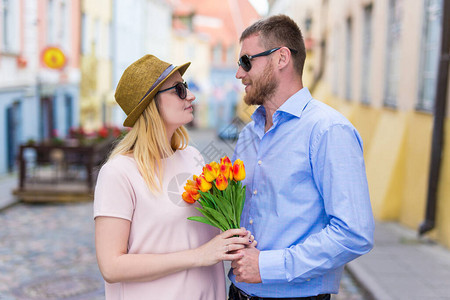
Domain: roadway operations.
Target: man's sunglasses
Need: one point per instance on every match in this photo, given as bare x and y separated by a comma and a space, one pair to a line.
245, 63
180, 88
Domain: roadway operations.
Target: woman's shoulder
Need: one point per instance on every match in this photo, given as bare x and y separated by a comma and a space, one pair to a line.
119, 164
190, 151
190, 157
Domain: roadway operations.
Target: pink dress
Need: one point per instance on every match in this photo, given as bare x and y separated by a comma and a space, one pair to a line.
159, 225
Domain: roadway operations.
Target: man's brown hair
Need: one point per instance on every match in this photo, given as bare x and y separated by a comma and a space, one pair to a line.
276, 31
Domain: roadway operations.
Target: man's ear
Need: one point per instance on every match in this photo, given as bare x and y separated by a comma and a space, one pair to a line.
284, 57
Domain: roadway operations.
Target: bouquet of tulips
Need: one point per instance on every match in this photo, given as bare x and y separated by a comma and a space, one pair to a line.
220, 193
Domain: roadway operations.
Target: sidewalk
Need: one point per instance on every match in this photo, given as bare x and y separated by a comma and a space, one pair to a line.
7, 184
402, 266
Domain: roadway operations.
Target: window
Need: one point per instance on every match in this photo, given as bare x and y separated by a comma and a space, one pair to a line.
64, 25
393, 52
367, 55
217, 54
13, 132
336, 58
231, 56
10, 26
68, 107
429, 52
348, 60
84, 34
97, 36
51, 26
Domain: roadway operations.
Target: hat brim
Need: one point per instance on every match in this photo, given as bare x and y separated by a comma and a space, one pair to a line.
134, 115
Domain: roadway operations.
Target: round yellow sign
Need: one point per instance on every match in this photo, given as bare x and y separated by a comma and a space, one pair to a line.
53, 58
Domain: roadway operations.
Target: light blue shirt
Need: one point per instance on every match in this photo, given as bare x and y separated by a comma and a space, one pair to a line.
307, 200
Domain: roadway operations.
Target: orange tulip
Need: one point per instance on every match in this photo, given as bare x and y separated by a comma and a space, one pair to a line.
192, 188
226, 167
192, 183
221, 182
211, 171
238, 170
187, 197
203, 184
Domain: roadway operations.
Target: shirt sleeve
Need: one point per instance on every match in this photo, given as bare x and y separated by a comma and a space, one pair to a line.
338, 171
114, 195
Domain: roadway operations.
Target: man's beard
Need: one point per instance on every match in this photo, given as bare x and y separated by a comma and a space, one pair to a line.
262, 88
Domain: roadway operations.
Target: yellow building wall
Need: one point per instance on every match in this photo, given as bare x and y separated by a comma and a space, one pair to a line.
417, 154
442, 233
384, 164
397, 150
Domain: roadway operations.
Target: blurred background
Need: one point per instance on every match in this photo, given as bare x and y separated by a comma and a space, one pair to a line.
381, 63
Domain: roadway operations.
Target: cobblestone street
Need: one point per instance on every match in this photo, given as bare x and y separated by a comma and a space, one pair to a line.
47, 252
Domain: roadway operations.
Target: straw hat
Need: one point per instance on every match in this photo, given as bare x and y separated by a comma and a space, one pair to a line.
139, 84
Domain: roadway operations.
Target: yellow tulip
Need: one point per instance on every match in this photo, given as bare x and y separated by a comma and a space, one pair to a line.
211, 171
225, 160
221, 182
226, 167
203, 184
238, 170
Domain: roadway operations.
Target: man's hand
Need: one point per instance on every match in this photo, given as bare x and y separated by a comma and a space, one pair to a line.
246, 268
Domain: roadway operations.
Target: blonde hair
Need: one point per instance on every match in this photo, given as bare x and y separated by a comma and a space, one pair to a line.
147, 141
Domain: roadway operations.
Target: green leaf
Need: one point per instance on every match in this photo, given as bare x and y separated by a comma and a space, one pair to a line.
202, 220
221, 204
212, 218
225, 209
240, 199
206, 200
212, 200
219, 217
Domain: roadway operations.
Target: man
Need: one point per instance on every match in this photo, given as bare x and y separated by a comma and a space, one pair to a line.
307, 200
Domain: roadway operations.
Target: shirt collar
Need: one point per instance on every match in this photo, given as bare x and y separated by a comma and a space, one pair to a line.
296, 103
293, 106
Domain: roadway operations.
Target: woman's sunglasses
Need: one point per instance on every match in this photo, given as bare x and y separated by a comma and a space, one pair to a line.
245, 63
180, 88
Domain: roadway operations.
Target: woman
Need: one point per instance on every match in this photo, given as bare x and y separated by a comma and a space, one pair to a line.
146, 247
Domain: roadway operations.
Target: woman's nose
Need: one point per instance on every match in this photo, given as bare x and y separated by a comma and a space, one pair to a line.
190, 96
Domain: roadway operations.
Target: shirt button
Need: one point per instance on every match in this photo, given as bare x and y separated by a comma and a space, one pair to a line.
255, 192
251, 221
259, 162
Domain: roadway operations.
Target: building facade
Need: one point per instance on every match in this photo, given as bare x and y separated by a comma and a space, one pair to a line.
139, 27
96, 63
39, 71
376, 61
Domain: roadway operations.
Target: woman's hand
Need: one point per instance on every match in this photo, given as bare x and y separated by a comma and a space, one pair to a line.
224, 246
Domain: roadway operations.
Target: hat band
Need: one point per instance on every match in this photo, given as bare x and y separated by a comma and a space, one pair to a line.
160, 78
